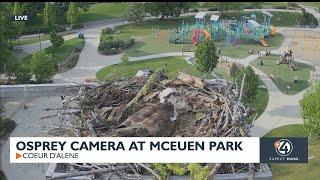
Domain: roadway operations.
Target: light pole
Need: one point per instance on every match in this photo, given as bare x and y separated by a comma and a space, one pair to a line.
39, 40
182, 49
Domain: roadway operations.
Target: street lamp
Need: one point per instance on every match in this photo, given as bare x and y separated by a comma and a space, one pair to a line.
182, 49
39, 39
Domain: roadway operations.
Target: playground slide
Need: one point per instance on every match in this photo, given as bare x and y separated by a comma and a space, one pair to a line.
272, 30
263, 42
207, 34
196, 33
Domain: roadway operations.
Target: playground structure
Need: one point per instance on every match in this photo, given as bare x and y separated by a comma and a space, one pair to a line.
230, 32
287, 58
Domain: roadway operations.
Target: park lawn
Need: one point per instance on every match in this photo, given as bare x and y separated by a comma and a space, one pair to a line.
174, 66
312, 4
273, 4
61, 53
30, 41
102, 11
310, 171
284, 75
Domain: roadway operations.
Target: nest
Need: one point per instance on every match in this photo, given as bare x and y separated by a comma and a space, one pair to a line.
185, 106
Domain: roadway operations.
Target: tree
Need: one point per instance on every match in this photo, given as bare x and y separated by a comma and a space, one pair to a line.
206, 56
17, 9
11, 67
251, 83
41, 66
135, 12
55, 39
256, 4
48, 17
32, 8
166, 9
124, 59
310, 110
8, 32
73, 13
23, 74
60, 9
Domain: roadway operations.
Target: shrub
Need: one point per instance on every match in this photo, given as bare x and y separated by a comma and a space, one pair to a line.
105, 45
76, 26
55, 39
293, 4
23, 74
42, 66
194, 10
213, 9
31, 30
7, 126
124, 59
117, 43
281, 7
107, 31
106, 37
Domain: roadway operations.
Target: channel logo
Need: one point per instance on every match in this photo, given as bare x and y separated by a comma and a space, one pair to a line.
283, 147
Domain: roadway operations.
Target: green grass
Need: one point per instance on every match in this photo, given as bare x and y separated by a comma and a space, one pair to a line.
284, 75
259, 103
273, 4
313, 4
61, 53
174, 65
310, 171
30, 41
102, 11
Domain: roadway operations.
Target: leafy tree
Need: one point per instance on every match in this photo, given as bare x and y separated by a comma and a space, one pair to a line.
11, 67
55, 39
41, 66
166, 9
251, 83
17, 9
310, 109
206, 55
23, 74
48, 17
135, 12
8, 32
124, 59
73, 13
60, 9
32, 8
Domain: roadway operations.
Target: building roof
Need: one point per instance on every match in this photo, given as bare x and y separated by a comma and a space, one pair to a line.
200, 15
214, 17
254, 23
266, 13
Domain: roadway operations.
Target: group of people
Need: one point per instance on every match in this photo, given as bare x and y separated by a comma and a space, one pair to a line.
289, 53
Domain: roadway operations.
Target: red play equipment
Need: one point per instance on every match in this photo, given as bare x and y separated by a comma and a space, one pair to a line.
196, 33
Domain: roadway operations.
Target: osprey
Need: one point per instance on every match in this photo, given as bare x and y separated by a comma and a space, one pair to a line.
157, 120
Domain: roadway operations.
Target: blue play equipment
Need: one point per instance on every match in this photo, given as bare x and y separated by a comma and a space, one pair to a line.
253, 17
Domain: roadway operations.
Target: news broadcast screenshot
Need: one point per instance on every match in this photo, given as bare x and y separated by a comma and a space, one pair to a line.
160, 90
